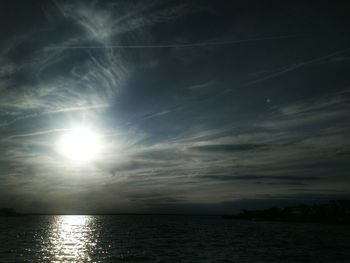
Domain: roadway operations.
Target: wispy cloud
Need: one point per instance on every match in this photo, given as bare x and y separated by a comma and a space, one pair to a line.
289, 68
75, 69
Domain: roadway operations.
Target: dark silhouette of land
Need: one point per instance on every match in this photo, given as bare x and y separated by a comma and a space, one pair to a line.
8, 212
334, 212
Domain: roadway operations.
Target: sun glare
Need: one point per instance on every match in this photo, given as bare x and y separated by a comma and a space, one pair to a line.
79, 144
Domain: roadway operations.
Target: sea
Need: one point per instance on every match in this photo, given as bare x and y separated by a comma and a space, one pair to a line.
168, 238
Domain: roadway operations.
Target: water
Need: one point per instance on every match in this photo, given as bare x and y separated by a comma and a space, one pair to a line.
168, 239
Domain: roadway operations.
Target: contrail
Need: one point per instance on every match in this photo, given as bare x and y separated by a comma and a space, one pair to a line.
297, 66
200, 44
81, 108
73, 109
37, 133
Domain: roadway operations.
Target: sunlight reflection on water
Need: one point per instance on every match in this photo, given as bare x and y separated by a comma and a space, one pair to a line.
71, 238
167, 239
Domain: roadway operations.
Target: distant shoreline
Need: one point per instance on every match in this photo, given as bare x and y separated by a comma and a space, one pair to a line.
110, 214
334, 212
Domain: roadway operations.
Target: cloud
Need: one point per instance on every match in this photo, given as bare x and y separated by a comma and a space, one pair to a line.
308, 113
202, 85
93, 79
261, 177
257, 158
228, 147
199, 144
45, 90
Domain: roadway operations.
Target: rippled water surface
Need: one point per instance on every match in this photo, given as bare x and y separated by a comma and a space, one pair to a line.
168, 239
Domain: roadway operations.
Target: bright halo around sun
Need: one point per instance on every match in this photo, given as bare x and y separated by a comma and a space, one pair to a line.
80, 144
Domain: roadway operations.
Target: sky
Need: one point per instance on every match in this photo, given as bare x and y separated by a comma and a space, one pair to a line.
199, 106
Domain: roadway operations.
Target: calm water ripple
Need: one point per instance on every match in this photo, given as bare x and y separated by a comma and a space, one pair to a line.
168, 239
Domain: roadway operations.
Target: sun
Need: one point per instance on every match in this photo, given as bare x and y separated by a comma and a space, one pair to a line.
80, 144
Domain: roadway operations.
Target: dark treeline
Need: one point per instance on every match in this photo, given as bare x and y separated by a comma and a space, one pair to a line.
337, 211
